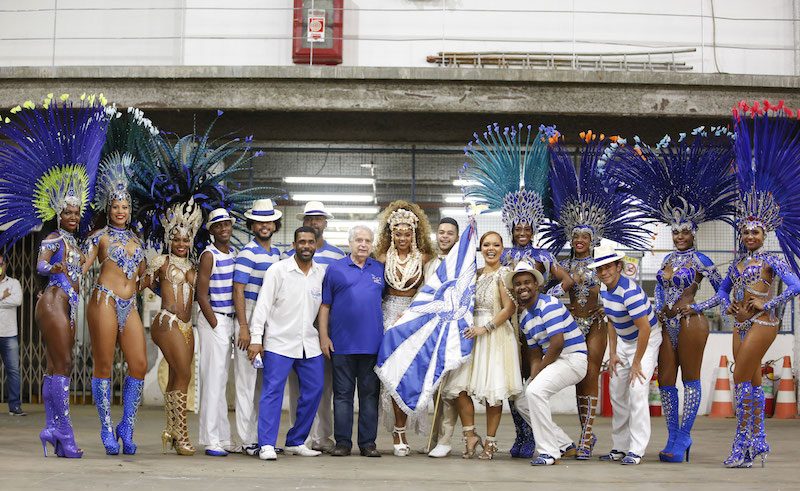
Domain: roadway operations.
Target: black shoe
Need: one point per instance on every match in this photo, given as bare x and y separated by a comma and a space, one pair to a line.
370, 451
340, 451
278, 450
17, 412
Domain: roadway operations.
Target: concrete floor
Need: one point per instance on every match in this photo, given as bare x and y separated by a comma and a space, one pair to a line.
23, 467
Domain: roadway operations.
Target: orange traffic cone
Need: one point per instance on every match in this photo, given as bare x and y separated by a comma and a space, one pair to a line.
786, 402
722, 404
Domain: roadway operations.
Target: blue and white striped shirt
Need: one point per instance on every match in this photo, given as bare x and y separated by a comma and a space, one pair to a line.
624, 304
220, 286
325, 255
547, 318
251, 264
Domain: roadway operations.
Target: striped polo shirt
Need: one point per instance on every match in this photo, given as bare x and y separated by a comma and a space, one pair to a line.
624, 304
324, 255
220, 287
547, 318
251, 264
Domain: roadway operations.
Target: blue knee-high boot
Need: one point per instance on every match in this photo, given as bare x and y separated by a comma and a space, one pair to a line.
742, 440
669, 403
131, 398
46, 435
760, 445
524, 444
62, 433
101, 391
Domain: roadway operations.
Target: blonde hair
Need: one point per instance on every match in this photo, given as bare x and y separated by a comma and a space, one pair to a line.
422, 232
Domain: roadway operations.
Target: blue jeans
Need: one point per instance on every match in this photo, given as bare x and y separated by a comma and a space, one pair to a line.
349, 371
9, 351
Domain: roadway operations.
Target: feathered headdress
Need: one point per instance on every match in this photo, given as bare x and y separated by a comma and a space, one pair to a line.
510, 168
182, 220
681, 183
768, 172
193, 168
590, 201
48, 159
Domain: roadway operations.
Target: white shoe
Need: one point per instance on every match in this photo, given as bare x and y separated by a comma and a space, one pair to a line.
267, 452
440, 451
301, 450
400, 449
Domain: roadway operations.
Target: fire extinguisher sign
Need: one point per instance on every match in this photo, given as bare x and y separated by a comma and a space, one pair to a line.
316, 26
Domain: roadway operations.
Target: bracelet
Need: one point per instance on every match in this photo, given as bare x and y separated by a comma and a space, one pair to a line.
489, 326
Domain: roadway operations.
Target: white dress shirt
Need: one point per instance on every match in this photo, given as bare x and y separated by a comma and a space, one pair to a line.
8, 306
287, 305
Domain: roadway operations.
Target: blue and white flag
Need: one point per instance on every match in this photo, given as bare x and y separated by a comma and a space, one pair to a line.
427, 341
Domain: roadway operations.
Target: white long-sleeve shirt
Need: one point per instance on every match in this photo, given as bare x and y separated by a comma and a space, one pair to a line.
8, 306
287, 305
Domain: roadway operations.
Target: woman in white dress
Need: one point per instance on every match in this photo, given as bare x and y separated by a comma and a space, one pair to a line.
493, 375
404, 246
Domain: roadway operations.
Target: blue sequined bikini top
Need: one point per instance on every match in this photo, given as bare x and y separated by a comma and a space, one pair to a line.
73, 262
684, 270
118, 240
511, 256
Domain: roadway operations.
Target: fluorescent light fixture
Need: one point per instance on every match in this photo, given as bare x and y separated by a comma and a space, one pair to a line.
365, 181
337, 198
359, 210
461, 212
465, 182
348, 224
459, 199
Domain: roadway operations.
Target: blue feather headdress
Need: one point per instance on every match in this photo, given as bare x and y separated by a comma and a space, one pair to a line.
768, 172
48, 159
681, 183
590, 201
509, 168
192, 169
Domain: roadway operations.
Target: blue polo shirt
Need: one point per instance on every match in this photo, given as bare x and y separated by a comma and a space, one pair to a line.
354, 295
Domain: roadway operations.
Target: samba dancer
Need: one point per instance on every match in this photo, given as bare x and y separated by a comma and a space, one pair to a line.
45, 178
586, 209
682, 184
404, 247
767, 149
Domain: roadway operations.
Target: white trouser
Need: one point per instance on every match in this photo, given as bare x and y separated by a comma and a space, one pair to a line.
567, 370
322, 428
445, 423
215, 356
630, 424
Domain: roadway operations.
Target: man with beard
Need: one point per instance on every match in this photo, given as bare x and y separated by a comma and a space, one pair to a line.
251, 265
445, 421
282, 331
321, 437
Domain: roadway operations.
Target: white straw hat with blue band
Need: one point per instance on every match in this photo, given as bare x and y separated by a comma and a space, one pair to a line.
263, 210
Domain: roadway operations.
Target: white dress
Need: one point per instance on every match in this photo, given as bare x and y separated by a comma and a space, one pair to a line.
493, 375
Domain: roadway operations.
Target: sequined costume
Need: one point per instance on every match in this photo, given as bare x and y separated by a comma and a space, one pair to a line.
49, 156
767, 148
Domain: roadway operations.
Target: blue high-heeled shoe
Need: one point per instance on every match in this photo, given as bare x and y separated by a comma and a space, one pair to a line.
524, 444
669, 403
101, 391
681, 445
46, 435
131, 398
742, 441
62, 434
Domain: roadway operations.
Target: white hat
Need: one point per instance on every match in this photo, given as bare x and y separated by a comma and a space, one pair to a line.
314, 209
219, 215
524, 267
604, 254
263, 211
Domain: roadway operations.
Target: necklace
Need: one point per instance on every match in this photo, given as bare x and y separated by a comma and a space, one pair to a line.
585, 278
403, 274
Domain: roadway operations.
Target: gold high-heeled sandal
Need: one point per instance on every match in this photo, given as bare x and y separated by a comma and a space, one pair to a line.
180, 433
489, 448
166, 435
471, 442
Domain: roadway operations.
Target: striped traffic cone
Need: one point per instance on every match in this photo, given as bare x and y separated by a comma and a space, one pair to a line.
722, 404
785, 402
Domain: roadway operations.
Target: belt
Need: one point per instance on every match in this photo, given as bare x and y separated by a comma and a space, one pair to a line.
230, 316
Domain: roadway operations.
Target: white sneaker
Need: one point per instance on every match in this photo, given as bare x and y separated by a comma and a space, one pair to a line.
267, 452
440, 451
300, 450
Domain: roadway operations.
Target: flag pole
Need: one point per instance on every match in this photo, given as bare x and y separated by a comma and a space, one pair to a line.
434, 426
